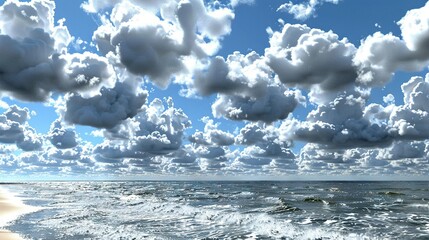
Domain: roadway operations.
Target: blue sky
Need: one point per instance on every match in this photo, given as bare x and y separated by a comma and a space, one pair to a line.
138, 88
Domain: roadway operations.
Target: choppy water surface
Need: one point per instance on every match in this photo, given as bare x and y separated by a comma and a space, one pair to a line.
225, 210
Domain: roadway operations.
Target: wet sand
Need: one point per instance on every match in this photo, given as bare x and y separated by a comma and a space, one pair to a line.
6, 235
11, 208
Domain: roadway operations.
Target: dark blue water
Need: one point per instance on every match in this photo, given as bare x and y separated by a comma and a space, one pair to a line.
225, 210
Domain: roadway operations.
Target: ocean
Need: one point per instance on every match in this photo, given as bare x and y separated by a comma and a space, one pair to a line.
224, 210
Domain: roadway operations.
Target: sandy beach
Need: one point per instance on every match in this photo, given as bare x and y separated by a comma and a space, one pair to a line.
6, 235
11, 208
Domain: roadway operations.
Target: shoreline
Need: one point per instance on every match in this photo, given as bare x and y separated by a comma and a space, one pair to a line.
11, 208
7, 235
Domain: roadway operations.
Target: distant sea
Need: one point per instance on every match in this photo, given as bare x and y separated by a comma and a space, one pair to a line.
224, 210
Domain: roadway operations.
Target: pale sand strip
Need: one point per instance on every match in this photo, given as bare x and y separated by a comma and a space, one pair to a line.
11, 208
6, 235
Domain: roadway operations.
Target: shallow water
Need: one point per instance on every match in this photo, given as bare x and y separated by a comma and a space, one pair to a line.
225, 210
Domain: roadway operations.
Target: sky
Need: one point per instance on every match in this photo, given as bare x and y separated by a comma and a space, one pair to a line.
254, 89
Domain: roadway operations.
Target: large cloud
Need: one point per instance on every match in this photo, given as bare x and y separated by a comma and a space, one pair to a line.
19, 19
158, 45
61, 137
411, 120
155, 130
14, 129
415, 29
211, 147
30, 75
348, 136
107, 109
86, 72
10, 131
31, 140
311, 58
246, 89
212, 135
37, 46
275, 105
17, 114
380, 55
403, 150
265, 150
159, 130
239, 74
145, 48
341, 124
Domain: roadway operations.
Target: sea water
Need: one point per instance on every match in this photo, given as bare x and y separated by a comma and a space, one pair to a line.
224, 210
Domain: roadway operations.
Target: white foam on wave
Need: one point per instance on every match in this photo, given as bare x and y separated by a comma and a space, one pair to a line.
419, 205
110, 212
170, 218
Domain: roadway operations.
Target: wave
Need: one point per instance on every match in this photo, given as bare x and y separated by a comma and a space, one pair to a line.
156, 218
157, 210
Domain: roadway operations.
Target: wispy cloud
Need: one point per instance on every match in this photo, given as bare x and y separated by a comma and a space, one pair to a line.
303, 11
235, 3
